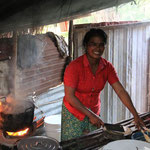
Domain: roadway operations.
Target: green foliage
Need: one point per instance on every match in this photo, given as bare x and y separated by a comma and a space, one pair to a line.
138, 10
135, 11
84, 20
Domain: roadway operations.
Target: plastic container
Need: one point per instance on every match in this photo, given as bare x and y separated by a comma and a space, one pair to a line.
53, 126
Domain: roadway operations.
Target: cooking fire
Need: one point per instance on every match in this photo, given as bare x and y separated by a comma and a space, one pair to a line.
17, 120
19, 133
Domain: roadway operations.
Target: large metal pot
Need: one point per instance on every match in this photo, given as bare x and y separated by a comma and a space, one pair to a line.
22, 119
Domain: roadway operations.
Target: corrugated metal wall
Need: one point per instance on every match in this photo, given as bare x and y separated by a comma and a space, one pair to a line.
128, 50
148, 78
49, 103
38, 73
45, 69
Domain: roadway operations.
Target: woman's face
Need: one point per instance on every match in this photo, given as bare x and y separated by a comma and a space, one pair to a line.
95, 47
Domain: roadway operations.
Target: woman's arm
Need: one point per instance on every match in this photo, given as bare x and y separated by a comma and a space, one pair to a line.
73, 100
126, 100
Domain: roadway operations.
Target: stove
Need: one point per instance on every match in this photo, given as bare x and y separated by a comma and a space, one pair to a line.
17, 121
9, 141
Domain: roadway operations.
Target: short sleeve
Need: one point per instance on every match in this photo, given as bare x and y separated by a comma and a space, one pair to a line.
112, 74
71, 75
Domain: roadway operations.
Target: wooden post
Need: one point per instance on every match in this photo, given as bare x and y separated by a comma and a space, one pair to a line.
70, 39
13, 67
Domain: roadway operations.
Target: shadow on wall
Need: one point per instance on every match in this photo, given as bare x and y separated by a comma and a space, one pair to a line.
29, 50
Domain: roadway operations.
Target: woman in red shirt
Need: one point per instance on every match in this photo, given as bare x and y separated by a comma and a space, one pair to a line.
84, 79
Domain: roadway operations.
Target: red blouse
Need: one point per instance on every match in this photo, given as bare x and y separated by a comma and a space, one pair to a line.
88, 86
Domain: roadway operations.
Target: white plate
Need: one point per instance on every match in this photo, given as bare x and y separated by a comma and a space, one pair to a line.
127, 145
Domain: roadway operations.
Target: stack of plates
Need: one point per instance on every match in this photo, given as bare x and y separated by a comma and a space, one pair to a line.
53, 126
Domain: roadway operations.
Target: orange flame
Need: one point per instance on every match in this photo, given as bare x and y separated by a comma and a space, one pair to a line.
0, 106
19, 133
1, 119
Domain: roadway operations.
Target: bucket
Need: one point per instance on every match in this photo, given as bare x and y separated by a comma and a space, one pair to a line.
53, 126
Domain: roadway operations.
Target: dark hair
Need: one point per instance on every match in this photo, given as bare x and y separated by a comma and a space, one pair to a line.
94, 32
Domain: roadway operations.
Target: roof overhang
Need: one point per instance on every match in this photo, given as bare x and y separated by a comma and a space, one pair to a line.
53, 11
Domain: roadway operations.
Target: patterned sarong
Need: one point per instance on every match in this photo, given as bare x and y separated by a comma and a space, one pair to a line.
71, 127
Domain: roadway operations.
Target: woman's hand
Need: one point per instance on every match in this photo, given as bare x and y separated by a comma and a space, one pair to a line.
138, 122
95, 120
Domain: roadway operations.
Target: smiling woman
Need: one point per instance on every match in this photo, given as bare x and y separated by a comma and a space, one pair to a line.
94, 43
84, 79
95, 47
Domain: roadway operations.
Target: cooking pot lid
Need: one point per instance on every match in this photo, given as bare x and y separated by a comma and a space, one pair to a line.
38, 143
127, 145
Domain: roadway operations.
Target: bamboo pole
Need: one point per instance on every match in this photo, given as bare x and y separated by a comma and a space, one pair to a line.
70, 39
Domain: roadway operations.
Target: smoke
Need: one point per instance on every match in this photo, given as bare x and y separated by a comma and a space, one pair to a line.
8, 105
29, 62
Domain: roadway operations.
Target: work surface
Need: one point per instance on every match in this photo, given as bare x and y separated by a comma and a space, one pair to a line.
98, 138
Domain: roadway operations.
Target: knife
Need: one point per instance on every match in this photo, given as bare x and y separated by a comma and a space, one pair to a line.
114, 127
